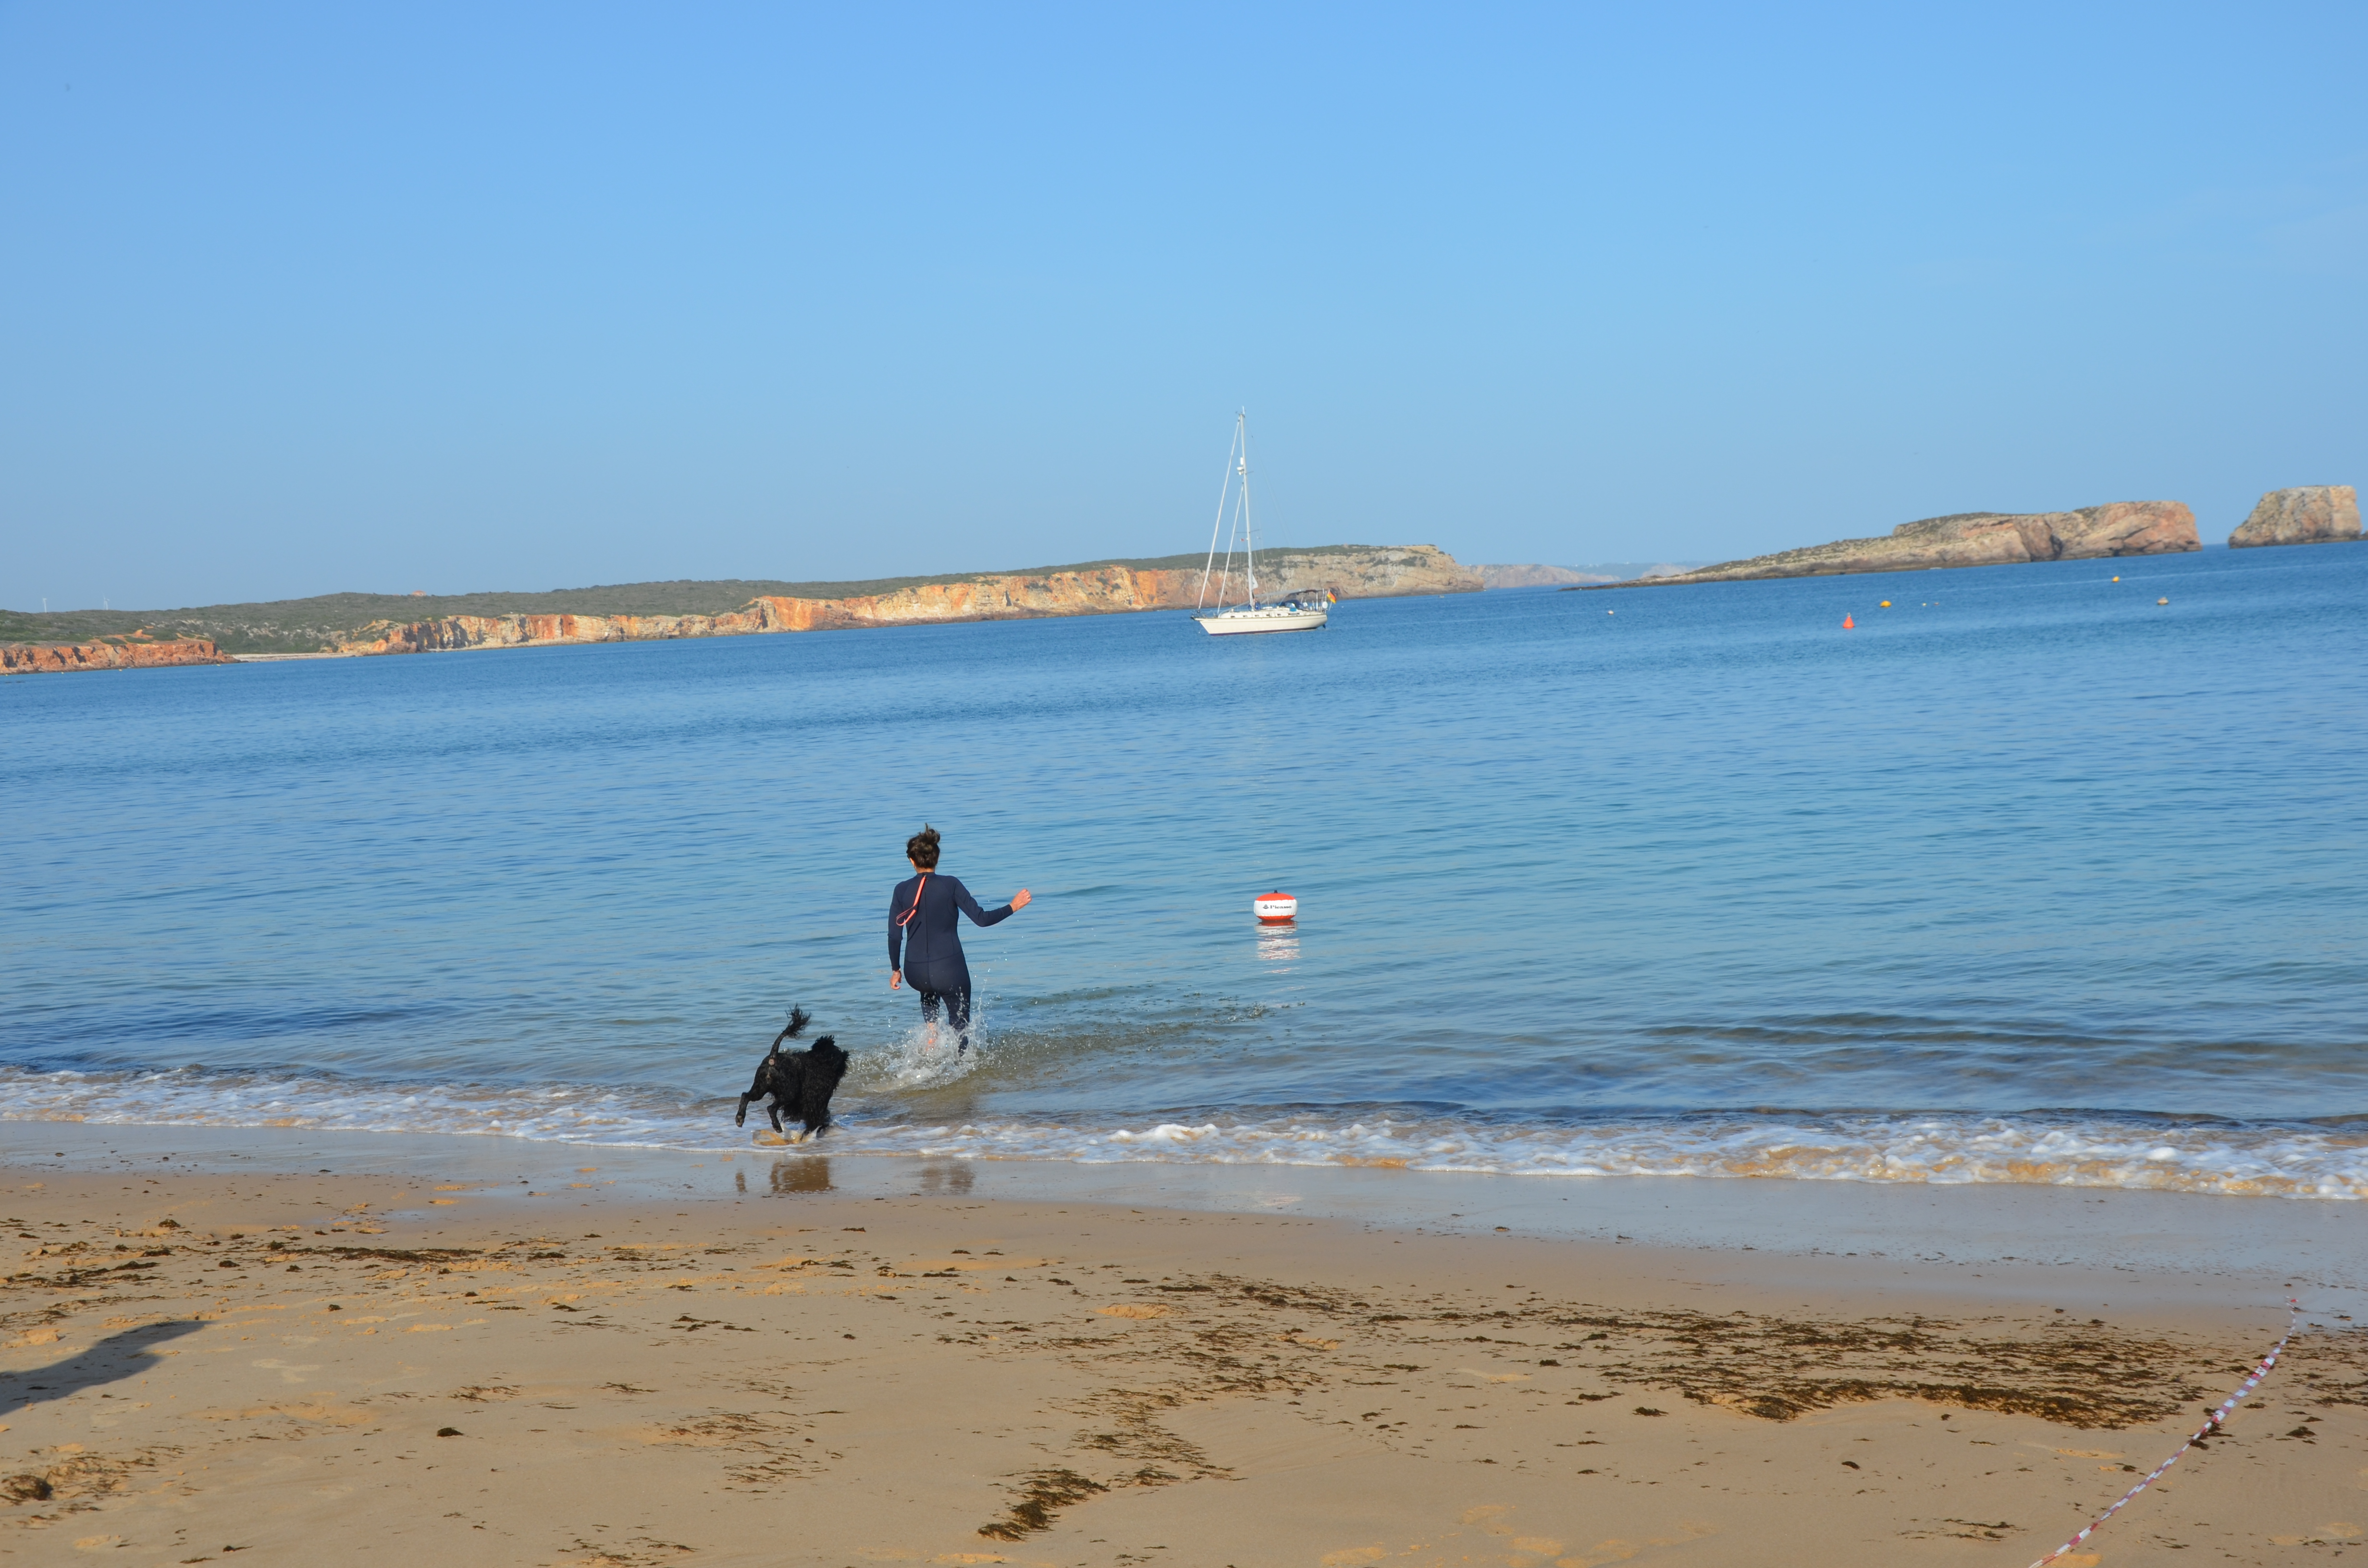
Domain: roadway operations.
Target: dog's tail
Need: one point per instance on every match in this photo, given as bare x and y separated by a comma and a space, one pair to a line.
799, 1019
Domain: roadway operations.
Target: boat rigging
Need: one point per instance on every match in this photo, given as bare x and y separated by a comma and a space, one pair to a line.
1306, 610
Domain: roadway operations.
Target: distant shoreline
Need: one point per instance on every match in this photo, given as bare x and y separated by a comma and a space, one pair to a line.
1966, 538
364, 625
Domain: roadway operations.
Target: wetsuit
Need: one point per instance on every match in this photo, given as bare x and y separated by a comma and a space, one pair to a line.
929, 950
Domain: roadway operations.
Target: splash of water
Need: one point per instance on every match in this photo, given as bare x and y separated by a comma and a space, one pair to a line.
927, 1056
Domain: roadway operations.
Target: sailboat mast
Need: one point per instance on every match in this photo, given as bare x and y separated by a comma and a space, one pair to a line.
1249, 533
1225, 484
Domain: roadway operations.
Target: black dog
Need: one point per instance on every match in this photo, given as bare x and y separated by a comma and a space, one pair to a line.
800, 1081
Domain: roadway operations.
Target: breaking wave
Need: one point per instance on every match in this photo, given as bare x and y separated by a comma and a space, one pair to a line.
889, 1116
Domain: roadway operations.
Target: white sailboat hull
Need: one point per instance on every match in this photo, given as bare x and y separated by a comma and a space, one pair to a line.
1266, 618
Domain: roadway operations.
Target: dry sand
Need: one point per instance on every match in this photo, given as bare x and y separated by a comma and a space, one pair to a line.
310, 1366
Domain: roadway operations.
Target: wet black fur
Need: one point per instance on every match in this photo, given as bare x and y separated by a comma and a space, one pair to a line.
800, 1081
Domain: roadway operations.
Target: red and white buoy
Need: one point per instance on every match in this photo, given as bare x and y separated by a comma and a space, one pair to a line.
1275, 908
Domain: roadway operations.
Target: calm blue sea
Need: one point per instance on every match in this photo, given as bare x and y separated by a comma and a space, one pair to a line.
2027, 877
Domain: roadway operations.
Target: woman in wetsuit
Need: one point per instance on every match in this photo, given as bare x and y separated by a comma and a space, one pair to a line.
922, 941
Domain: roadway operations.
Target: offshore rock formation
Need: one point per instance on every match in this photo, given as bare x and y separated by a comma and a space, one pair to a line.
2308, 514
1537, 577
1380, 573
1974, 538
127, 654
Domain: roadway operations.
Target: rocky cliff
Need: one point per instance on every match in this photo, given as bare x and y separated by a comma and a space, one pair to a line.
1356, 572
1975, 539
2309, 514
357, 623
114, 653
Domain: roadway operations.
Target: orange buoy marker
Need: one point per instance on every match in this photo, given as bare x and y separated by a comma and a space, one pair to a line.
1886, 604
1849, 625
2162, 601
1275, 908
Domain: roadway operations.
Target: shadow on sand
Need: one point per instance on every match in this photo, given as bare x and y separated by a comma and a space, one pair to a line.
110, 1360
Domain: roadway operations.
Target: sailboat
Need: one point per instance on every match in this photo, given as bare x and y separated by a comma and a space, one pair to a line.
1303, 611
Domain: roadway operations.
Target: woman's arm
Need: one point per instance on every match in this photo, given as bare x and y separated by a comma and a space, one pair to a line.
969, 906
895, 942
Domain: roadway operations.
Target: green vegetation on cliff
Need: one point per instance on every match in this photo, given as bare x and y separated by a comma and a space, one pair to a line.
304, 626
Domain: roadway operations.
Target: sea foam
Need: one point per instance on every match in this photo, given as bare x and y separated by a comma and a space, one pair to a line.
2296, 1159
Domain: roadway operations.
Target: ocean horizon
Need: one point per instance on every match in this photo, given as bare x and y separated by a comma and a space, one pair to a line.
2027, 877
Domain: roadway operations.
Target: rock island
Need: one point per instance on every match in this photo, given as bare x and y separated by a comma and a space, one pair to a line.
2308, 514
1972, 539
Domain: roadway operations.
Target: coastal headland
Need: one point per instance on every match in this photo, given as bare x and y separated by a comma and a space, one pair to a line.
2308, 514
133, 652
898, 1362
1969, 539
357, 625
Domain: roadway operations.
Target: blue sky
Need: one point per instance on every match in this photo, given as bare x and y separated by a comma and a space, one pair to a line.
302, 298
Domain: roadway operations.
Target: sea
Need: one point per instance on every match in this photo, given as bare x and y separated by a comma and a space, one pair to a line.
2017, 874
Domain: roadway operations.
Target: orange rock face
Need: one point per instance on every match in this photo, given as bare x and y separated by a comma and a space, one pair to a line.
1354, 572
2121, 528
1102, 590
34, 658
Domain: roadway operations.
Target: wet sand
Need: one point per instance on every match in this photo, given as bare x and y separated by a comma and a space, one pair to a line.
797, 1366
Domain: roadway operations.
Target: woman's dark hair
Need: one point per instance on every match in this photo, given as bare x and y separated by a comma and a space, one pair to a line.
922, 848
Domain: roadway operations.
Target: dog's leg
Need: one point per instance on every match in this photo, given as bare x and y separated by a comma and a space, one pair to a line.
740, 1116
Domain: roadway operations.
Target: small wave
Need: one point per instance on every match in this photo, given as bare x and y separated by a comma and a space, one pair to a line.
2060, 1149
2253, 1162
193, 1096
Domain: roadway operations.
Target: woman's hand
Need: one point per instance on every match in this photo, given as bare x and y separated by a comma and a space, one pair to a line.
1020, 899
895, 978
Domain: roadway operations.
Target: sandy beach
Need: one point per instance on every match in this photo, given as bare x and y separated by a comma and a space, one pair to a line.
779, 1366
1855, 1058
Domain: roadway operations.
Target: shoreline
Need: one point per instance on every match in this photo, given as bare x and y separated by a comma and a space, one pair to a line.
2296, 1159
2250, 1247
868, 1360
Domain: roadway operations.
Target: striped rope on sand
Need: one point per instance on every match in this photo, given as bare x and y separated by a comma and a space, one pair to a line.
2211, 1427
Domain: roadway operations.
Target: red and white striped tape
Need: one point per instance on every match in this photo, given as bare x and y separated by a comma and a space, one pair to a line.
2211, 1425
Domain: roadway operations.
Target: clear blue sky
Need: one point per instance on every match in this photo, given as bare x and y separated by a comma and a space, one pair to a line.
305, 298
